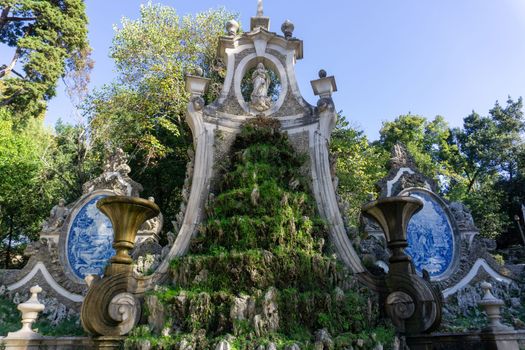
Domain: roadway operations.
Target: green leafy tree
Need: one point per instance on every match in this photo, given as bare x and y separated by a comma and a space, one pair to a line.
143, 110
492, 146
48, 37
427, 141
491, 143
37, 168
359, 165
21, 196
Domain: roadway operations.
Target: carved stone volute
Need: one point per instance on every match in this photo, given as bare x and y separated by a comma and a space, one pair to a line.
112, 305
413, 304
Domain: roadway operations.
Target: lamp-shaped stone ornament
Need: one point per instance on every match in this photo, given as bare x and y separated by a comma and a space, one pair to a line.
30, 310
412, 303
324, 86
127, 214
393, 215
492, 306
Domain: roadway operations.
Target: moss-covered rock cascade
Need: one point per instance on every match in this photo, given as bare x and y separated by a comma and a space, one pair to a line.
258, 276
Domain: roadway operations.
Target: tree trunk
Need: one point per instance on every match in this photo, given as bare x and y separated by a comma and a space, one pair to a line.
10, 242
472, 181
3, 16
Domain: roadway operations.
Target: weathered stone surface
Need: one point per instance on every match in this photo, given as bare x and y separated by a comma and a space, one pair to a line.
156, 313
144, 345
223, 345
471, 261
271, 346
323, 340
239, 309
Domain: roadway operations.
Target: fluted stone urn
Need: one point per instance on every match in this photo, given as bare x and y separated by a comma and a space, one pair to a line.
127, 214
112, 306
412, 303
393, 215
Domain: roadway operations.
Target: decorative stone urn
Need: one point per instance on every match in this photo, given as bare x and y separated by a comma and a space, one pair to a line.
393, 215
492, 306
30, 310
412, 303
127, 214
112, 305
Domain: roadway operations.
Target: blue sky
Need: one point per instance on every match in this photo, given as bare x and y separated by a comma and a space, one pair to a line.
427, 57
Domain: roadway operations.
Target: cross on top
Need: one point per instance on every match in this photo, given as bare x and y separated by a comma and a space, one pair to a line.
260, 12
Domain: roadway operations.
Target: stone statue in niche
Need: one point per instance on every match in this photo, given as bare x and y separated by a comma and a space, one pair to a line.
260, 101
56, 217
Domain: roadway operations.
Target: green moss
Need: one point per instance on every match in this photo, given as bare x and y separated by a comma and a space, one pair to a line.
263, 231
246, 271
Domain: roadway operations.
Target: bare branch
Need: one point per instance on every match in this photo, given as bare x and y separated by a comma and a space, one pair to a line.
8, 69
19, 19
18, 74
3, 16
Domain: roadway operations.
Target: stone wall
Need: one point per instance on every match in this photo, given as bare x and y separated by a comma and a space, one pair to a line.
48, 343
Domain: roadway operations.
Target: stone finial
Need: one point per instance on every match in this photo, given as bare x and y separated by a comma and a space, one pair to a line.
198, 71
287, 28
196, 85
324, 86
260, 8
492, 306
232, 27
260, 20
30, 310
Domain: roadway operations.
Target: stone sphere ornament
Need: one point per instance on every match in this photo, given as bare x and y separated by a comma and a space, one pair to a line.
199, 71
287, 29
232, 27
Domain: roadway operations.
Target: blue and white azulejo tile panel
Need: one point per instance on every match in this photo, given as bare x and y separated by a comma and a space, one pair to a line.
430, 237
90, 239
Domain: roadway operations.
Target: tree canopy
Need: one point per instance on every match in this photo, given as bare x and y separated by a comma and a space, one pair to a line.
48, 38
143, 109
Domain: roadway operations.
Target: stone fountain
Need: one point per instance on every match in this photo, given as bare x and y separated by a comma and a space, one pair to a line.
111, 307
412, 303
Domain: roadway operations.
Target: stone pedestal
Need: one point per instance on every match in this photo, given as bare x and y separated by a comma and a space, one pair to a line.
48, 343
500, 340
108, 343
467, 341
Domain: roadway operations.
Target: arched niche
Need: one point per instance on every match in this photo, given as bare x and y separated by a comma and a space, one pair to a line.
270, 62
